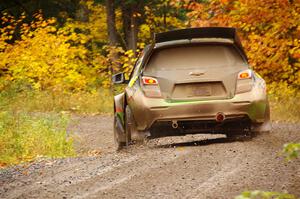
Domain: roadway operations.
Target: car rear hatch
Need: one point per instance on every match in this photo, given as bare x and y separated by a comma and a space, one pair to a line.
196, 72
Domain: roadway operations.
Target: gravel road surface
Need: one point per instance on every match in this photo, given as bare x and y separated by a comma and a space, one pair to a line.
199, 166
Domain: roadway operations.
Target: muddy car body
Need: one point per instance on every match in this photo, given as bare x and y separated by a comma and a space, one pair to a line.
191, 81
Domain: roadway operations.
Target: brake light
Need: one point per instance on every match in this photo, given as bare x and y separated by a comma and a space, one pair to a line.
246, 74
149, 81
151, 87
245, 81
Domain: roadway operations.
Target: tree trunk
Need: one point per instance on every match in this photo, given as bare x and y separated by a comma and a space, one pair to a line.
133, 33
130, 24
82, 13
126, 20
165, 15
111, 23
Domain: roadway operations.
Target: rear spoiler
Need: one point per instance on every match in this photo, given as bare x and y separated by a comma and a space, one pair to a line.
206, 32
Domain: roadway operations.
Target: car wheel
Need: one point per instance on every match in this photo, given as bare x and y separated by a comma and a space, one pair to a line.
118, 138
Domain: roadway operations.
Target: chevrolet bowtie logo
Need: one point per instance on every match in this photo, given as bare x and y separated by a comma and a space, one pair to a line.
196, 73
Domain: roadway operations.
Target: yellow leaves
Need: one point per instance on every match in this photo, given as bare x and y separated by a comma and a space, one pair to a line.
129, 54
128, 60
52, 29
95, 28
52, 21
48, 57
83, 41
44, 24
136, 15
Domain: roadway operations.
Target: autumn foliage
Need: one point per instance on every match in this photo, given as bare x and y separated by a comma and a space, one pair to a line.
75, 56
46, 56
270, 31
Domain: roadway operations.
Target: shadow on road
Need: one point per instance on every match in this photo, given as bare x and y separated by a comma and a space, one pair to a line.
203, 142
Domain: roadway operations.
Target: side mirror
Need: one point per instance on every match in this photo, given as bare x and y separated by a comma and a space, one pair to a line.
118, 78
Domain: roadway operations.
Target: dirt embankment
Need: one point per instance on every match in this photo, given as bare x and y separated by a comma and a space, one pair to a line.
201, 166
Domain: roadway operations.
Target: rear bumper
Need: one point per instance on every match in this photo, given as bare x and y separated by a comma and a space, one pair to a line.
148, 111
228, 126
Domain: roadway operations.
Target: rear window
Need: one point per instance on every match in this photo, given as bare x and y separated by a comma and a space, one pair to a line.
195, 57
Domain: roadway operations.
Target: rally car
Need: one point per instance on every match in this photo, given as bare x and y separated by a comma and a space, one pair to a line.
191, 81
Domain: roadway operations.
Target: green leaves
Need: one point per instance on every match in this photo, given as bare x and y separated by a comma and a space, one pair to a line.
264, 195
291, 150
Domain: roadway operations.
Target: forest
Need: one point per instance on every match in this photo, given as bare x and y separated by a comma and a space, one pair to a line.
74, 45
58, 57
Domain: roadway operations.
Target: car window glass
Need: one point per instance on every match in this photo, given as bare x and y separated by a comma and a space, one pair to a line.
195, 57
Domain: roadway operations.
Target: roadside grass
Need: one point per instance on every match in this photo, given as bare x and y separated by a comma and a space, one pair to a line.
46, 101
285, 108
33, 124
25, 137
285, 103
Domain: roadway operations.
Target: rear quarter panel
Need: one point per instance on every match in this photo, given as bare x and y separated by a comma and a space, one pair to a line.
119, 104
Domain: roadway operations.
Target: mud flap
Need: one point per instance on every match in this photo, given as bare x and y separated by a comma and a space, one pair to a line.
119, 129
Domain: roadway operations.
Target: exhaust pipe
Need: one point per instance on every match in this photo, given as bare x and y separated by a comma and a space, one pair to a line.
220, 117
174, 124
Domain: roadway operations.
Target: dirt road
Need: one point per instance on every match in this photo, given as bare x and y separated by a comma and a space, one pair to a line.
183, 167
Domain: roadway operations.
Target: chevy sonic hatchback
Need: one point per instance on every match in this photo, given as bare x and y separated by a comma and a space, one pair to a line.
191, 81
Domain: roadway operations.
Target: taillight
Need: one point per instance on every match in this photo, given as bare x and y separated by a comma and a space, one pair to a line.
246, 74
244, 81
151, 87
149, 81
